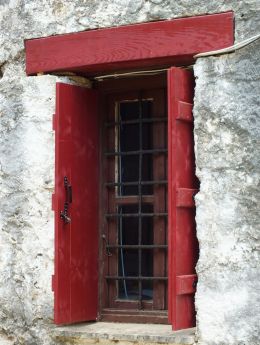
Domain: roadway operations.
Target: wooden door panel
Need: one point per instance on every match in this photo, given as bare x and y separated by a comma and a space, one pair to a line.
183, 244
76, 241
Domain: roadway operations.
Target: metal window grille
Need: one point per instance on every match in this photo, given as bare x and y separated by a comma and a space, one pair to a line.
140, 213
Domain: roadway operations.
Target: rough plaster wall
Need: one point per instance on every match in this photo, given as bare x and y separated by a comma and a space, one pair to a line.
226, 158
26, 180
227, 132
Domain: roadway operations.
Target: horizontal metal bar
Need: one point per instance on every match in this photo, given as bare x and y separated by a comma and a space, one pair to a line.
136, 183
136, 121
135, 278
133, 199
110, 215
131, 153
133, 246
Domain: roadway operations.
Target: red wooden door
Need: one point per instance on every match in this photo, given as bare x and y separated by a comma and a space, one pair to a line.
183, 245
75, 281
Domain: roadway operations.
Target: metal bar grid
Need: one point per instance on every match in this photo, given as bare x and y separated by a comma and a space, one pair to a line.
143, 183
112, 215
137, 246
137, 121
135, 153
139, 214
139, 278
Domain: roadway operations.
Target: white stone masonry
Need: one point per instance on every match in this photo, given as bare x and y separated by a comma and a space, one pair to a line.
227, 128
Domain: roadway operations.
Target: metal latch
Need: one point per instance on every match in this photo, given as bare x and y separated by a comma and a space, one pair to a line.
64, 215
108, 253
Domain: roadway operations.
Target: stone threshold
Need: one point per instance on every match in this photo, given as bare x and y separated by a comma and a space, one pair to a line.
122, 333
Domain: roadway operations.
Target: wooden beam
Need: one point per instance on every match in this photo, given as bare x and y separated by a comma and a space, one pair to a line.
133, 46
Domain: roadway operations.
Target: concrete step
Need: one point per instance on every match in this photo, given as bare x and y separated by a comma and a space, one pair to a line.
110, 333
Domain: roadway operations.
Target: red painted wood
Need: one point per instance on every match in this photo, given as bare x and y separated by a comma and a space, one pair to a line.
186, 284
185, 197
54, 122
185, 111
149, 44
53, 283
183, 246
76, 243
53, 202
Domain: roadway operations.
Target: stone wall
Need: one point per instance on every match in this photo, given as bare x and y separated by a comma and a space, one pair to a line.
227, 132
226, 135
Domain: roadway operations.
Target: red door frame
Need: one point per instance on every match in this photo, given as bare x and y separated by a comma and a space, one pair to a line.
164, 43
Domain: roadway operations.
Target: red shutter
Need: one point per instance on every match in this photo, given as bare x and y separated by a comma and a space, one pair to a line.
75, 281
183, 245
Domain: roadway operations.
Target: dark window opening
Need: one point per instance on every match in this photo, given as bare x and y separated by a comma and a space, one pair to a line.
134, 135
129, 257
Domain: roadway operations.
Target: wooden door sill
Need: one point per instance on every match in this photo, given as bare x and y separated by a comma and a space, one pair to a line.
133, 316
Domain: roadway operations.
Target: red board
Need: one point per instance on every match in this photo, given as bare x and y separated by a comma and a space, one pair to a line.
183, 245
186, 284
76, 242
133, 46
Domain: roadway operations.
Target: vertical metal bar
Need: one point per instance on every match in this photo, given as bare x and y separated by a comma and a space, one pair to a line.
140, 202
119, 129
119, 168
122, 252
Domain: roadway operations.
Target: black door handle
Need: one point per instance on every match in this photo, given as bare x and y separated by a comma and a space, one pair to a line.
64, 215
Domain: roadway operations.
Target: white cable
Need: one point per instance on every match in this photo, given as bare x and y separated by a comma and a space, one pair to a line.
136, 73
230, 49
127, 74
